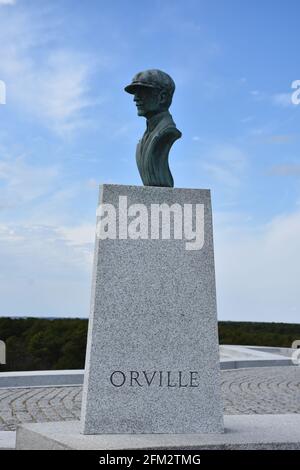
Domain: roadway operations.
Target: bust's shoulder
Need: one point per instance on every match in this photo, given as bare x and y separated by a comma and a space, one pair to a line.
165, 136
167, 127
169, 131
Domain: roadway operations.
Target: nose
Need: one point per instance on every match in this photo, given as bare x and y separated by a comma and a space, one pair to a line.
138, 98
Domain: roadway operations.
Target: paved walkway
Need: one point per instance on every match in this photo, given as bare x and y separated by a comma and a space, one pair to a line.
264, 390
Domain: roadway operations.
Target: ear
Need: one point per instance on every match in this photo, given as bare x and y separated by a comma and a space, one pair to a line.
163, 97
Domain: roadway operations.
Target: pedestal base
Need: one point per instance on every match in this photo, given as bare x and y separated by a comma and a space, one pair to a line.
249, 432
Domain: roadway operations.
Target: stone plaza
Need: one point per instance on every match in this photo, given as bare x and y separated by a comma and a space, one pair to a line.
252, 391
266, 390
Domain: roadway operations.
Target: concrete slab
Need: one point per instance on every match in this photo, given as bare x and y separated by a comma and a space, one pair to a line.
41, 378
242, 357
249, 432
230, 351
7, 440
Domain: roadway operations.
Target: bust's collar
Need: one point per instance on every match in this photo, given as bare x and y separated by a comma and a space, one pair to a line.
154, 120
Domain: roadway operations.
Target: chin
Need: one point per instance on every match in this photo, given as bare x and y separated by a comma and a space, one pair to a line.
141, 112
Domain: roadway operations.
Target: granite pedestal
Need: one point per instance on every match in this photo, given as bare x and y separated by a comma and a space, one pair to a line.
152, 363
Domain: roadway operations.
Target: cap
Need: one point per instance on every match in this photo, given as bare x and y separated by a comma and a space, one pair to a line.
151, 79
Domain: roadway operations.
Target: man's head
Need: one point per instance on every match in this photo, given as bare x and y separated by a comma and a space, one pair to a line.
153, 91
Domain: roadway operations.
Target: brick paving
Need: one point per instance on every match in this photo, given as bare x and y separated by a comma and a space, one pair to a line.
263, 390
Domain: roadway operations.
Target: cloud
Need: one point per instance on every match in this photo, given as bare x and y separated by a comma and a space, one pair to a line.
282, 99
46, 258
264, 136
279, 139
42, 273
38, 193
61, 95
52, 86
92, 183
80, 235
7, 2
22, 183
258, 269
258, 95
247, 119
292, 169
226, 164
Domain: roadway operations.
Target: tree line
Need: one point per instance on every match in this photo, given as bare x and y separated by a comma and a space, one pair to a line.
53, 344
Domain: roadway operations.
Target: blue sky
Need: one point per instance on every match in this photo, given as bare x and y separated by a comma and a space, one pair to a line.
68, 126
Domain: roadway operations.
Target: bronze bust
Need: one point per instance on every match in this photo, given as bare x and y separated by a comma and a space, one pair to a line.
153, 91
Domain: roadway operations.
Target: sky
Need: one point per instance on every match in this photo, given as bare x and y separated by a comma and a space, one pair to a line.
68, 126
